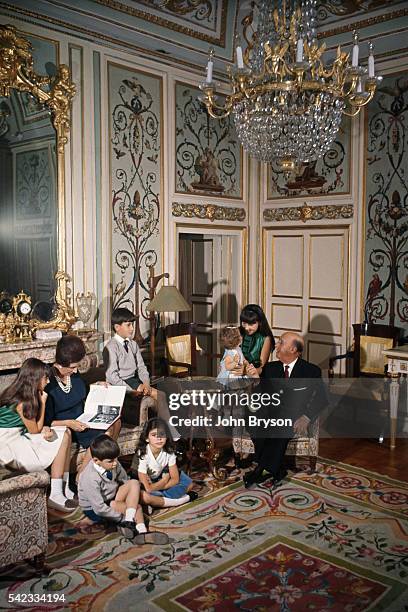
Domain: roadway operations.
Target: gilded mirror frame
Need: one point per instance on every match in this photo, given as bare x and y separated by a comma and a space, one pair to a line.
56, 93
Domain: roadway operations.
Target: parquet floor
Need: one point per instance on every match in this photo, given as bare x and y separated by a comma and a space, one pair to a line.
369, 454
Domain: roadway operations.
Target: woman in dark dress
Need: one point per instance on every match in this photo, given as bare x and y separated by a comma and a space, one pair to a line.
67, 392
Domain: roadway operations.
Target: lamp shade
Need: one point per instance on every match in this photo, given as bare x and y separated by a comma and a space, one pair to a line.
168, 299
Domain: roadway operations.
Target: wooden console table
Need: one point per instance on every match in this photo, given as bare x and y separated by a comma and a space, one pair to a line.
397, 366
13, 355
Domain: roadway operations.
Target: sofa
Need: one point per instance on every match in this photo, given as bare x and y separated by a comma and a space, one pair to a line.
23, 518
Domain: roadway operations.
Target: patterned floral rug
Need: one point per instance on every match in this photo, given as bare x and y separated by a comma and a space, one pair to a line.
334, 540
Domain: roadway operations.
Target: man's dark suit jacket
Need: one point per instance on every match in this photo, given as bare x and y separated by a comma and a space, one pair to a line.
305, 397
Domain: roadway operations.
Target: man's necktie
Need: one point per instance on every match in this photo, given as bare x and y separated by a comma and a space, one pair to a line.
126, 345
109, 474
286, 371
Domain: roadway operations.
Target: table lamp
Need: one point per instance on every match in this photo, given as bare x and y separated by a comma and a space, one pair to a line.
167, 299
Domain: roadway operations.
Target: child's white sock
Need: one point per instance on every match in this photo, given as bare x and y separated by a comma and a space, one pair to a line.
175, 502
130, 514
68, 493
56, 491
141, 528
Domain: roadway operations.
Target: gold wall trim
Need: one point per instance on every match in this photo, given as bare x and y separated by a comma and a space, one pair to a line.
364, 23
308, 213
208, 211
122, 8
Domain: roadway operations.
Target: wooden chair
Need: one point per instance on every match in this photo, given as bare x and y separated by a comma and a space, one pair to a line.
366, 401
181, 350
370, 339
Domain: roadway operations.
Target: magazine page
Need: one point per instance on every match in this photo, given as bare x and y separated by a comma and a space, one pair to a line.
103, 406
100, 395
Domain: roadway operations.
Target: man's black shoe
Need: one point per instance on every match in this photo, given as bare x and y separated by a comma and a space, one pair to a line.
257, 476
281, 475
243, 463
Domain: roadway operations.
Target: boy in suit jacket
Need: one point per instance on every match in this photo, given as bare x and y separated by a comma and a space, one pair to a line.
302, 401
124, 366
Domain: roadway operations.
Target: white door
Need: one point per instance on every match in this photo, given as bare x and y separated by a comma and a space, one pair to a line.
306, 288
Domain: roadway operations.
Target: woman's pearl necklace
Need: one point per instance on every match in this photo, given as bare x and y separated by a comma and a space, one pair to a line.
65, 387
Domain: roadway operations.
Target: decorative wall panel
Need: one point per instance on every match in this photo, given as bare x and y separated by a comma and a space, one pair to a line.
201, 19
337, 8
135, 115
208, 155
326, 280
329, 175
202, 13
284, 284
386, 254
35, 183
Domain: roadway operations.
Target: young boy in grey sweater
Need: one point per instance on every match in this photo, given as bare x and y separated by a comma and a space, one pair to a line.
124, 366
106, 494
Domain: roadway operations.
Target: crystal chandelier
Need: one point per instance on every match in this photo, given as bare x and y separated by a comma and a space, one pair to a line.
286, 102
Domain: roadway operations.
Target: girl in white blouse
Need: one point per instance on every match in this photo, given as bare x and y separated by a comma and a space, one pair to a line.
162, 483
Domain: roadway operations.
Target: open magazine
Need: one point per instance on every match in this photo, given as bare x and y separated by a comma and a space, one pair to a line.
103, 406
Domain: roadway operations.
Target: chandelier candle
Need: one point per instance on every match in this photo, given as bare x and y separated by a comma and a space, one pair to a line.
299, 50
356, 50
370, 61
286, 100
240, 59
210, 64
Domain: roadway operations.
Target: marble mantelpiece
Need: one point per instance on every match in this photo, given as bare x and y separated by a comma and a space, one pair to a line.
13, 355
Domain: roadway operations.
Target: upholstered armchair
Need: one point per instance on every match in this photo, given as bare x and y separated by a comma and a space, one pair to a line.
23, 519
306, 446
300, 446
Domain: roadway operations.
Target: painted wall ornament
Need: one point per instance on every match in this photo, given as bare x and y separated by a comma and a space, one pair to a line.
386, 277
348, 7
328, 175
135, 158
208, 155
206, 20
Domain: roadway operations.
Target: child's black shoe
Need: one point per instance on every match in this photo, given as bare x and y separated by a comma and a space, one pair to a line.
193, 495
151, 537
127, 529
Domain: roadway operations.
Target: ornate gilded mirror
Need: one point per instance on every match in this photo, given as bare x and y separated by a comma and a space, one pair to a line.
34, 129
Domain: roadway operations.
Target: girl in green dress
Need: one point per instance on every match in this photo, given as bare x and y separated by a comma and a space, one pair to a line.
257, 338
257, 345
25, 442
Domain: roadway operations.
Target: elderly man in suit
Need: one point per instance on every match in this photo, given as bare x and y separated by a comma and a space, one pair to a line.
302, 400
